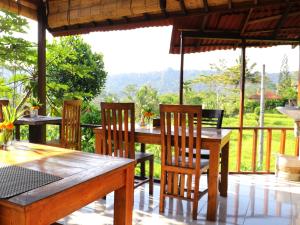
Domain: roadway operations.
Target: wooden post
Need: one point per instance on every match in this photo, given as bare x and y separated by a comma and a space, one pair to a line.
298, 99
181, 69
42, 65
242, 98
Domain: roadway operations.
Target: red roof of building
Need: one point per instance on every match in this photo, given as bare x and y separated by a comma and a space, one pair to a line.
268, 95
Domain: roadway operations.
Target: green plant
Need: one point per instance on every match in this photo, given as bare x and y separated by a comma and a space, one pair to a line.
35, 103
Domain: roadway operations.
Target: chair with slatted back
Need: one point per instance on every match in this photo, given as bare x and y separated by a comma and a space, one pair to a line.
180, 172
118, 119
70, 126
2, 103
211, 118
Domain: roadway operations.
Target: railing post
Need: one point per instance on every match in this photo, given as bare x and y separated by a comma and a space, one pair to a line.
282, 141
269, 145
242, 98
254, 150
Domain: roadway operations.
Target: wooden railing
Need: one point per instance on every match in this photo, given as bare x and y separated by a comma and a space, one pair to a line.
269, 150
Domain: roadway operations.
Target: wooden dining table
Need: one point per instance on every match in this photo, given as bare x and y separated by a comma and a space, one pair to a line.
85, 177
35, 135
213, 139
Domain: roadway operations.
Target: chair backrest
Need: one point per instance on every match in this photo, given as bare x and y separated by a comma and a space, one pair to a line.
118, 124
2, 103
70, 127
212, 118
180, 139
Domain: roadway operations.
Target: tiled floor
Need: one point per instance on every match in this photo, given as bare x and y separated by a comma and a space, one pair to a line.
252, 200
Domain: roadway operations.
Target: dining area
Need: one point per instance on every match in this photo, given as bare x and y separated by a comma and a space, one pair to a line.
58, 171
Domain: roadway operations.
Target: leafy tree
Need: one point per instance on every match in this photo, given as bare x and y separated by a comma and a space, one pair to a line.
73, 70
285, 88
16, 55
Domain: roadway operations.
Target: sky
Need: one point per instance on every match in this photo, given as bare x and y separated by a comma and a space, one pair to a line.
147, 49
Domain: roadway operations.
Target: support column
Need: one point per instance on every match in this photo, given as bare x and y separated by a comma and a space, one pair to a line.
181, 69
42, 65
298, 97
242, 98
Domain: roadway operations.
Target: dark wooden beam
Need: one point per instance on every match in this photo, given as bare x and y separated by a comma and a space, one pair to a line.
183, 7
233, 45
205, 4
41, 64
275, 17
245, 23
281, 21
287, 29
163, 7
204, 21
229, 4
226, 36
181, 69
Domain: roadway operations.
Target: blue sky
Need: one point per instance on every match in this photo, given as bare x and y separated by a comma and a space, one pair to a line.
147, 49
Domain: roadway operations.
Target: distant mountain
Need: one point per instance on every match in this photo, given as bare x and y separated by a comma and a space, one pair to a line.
164, 81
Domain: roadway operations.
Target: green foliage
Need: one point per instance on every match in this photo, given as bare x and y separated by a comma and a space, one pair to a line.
285, 87
90, 115
73, 70
145, 99
10, 114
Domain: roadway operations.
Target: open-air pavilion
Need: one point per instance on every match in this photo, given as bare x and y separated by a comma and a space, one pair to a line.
198, 26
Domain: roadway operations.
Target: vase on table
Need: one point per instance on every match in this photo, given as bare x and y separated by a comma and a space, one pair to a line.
6, 136
34, 112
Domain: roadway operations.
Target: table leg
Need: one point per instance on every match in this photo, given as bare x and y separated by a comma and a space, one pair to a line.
213, 181
123, 202
143, 149
37, 134
17, 132
224, 170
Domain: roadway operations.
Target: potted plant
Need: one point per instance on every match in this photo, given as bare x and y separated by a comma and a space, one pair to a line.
35, 105
10, 115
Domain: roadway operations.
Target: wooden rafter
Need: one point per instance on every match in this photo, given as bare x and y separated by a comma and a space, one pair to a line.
227, 36
205, 4
229, 4
281, 21
182, 6
245, 24
276, 17
163, 7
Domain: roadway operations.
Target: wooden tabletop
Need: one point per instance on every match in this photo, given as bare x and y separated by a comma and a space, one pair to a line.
38, 120
152, 135
73, 166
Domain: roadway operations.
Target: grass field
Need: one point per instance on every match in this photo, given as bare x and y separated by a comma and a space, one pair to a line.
271, 120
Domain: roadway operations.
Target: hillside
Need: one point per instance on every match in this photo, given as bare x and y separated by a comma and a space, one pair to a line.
166, 81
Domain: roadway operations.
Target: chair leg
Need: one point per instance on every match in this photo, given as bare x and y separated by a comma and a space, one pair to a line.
162, 190
151, 168
196, 198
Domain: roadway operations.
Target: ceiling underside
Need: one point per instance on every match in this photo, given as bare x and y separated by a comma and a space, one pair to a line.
207, 24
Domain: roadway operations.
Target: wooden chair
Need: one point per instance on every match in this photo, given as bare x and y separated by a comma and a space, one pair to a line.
70, 126
119, 122
180, 172
211, 118
2, 103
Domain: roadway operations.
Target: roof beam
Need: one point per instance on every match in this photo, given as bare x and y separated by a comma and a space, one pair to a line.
234, 37
245, 24
205, 4
281, 21
229, 4
163, 7
273, 18
183, 7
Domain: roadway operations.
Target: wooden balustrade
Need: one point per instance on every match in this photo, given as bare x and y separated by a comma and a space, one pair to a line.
269, 150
